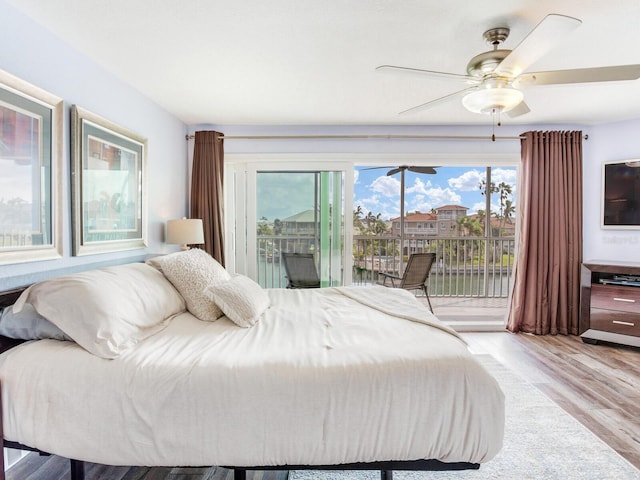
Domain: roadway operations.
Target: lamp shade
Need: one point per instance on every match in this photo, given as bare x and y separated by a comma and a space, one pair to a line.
186, 231
486, 100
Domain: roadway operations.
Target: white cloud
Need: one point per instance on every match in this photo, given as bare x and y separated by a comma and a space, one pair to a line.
376, 205
369, 203
356, 175
504, 175
419, 187
435, 197
387, 186
468, 181
477, 206
471, 179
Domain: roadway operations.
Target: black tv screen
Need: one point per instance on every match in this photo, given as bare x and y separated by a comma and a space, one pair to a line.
621, 194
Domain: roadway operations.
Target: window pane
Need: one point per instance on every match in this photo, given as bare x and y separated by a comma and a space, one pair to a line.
299, 212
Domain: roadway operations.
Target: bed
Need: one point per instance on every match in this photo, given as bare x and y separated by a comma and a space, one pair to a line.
346, 377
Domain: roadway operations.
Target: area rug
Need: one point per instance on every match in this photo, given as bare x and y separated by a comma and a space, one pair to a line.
548, 446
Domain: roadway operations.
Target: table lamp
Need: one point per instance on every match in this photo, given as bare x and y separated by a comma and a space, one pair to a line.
186, 231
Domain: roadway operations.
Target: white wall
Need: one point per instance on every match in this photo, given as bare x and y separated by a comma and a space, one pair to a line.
32, 53
616, 141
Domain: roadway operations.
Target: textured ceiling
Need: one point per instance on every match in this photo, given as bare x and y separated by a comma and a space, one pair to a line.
296, 62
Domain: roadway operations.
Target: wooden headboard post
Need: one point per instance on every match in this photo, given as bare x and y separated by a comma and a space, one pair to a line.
1, 438
9, 297
6, 298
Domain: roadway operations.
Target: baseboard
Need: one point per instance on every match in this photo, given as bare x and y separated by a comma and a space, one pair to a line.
11, 457
474, 324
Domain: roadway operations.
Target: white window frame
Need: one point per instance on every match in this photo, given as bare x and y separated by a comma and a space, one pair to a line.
238, 214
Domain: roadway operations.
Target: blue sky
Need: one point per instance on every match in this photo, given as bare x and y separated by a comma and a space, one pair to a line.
379, 193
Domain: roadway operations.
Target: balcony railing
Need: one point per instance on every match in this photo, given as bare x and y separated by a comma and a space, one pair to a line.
465, 266
270, 270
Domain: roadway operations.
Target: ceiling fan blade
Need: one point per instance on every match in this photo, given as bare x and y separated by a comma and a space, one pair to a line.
376, 168
393, 171
425, 170
580, 75
431, 103
545, 36
518, 110
457, 76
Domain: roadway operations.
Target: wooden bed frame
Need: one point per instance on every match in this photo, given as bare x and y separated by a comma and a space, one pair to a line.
386, 468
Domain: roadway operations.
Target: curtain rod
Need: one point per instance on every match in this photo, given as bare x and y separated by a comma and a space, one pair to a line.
342, 137
352, 137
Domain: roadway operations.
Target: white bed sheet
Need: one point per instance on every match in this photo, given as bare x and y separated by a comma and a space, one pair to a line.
320, 379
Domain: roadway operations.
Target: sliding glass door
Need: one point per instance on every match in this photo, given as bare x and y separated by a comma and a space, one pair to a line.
299, 211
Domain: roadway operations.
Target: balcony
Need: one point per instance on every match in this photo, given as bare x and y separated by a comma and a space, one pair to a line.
466, 267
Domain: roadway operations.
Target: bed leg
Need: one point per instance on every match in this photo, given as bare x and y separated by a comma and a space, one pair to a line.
239, 474
1, 438
77, 469
386, 474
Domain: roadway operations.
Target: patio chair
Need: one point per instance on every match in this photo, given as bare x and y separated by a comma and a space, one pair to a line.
300, 269
415, 274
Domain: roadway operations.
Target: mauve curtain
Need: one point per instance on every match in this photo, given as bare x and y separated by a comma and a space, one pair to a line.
206, 190
546, 293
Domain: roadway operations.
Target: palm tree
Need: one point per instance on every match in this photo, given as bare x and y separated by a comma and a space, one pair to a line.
357, 218
504, 190
509, 210
481, 218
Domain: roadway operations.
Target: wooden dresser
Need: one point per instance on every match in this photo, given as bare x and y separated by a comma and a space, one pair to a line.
610, 302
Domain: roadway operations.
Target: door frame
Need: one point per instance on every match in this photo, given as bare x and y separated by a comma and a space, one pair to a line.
241, 165
241, 171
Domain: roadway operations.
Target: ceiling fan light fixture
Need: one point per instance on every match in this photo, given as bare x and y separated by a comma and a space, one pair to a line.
488, 100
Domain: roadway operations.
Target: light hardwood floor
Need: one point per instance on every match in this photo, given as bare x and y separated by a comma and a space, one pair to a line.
597, 384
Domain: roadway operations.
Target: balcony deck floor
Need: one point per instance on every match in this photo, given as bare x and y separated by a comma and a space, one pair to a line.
470, 313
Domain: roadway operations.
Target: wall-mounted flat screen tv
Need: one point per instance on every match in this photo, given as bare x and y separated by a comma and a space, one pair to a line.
621, 194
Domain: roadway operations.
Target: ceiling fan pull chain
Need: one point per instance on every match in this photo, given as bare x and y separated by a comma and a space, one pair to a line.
493, 124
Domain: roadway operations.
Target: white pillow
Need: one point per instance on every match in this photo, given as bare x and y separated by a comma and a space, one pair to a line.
190, 272
241, 299
109, 310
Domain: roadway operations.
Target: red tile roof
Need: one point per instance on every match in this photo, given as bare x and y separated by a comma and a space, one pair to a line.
417, 217
452, 207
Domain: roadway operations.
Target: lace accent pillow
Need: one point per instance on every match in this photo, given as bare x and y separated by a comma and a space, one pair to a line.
241, 299
190, 272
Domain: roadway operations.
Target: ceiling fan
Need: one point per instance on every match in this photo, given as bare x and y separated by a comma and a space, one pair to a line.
497, 76
415, 169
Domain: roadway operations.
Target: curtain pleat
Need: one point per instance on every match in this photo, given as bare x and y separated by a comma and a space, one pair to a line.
546, 293
207, 197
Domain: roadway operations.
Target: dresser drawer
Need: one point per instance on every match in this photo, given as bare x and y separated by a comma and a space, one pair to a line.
615, 321
616, 297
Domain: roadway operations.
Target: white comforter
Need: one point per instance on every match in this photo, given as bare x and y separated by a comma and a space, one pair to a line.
320, 379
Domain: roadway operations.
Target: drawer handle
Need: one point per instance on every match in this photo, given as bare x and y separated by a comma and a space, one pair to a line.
624, 323
629, 300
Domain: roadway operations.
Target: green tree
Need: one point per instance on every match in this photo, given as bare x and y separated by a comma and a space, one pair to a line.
264, 228
504, 191
509, 210
357, 218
